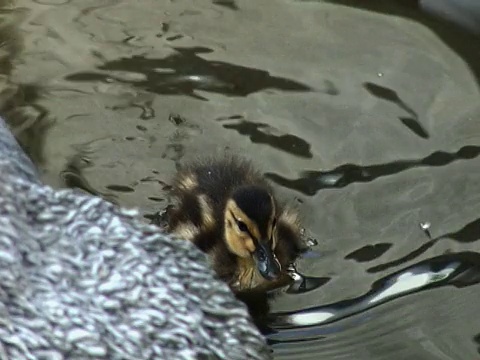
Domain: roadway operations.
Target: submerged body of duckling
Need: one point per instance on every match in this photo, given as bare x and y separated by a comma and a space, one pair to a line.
230, 212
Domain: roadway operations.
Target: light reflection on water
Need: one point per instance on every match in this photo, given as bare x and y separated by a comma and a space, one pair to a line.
410, 280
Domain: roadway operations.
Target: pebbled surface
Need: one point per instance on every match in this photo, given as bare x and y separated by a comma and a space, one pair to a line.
83, 279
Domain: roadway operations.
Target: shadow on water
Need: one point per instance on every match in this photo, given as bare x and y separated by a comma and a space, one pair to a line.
476, 339
457, 269
184, 72
230, 4
369, 252
463, 42
413, 122
262, 133
310, 182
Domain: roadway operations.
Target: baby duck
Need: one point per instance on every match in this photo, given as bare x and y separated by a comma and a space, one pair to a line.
230, 212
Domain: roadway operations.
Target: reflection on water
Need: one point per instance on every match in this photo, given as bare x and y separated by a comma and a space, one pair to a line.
373, 99
311, 182
435, 271
300, 328
147, 111
28, 119
468, 233
230, 4
302, 284
369, 252
412, 122
184, 72
259, 133
20, 104
73, 176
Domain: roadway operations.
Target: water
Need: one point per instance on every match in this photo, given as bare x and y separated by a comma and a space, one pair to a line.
364, 114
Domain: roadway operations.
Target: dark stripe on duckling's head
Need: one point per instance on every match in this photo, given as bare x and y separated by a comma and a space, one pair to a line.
249, 221
257, 203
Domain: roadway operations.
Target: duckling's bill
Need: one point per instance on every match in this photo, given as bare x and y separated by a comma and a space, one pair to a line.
266, 262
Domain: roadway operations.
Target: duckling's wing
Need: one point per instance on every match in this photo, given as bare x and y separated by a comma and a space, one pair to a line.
289, 239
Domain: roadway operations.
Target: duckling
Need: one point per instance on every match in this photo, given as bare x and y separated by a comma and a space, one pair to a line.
230, 212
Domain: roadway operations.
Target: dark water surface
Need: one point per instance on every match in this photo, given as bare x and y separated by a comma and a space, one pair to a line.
366, 114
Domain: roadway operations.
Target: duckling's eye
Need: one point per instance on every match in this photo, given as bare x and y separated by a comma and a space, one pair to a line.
242, 226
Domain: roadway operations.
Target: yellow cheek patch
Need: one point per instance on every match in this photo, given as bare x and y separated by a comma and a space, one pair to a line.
236, 244
240, 242
249, 245
254, 231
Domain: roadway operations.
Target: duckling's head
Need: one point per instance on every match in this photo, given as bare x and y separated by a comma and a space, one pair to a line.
250, 220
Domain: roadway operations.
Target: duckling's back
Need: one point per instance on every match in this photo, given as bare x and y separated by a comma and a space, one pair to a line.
217, 178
